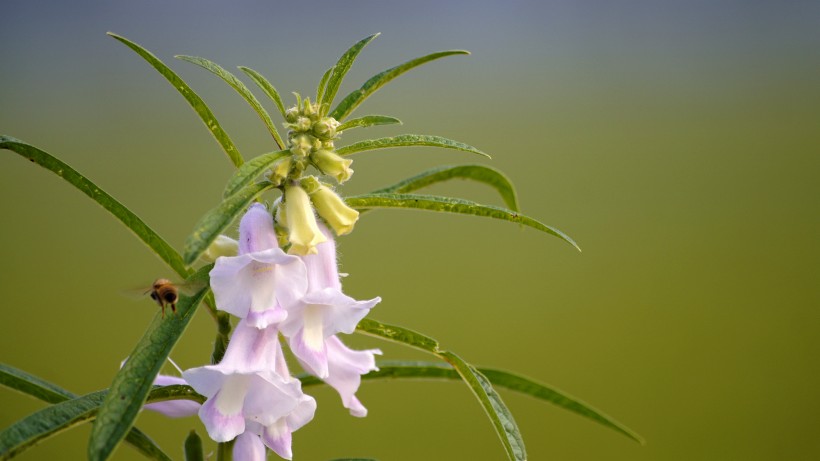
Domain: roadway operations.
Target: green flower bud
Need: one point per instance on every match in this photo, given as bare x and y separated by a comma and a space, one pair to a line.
303, 233
302, 124
292, 114
280, 170
332, 164
300, 145
334, 210
222, 246
325, 128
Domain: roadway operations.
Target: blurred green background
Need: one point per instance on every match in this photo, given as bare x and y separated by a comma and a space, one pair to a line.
677, 142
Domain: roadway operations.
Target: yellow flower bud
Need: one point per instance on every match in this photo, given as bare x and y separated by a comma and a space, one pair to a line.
334, 210
303, 233
222, 246
332, 164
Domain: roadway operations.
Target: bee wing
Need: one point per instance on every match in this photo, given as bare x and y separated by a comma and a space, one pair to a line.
136, 293
190, 288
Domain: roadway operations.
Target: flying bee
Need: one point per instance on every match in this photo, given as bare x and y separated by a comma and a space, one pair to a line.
166, 293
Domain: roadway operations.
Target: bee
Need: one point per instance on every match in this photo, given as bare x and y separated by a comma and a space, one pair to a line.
164, 292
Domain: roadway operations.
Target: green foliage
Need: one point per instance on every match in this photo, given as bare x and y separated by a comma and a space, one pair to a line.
451, 205
251, 170
369, 120
352, 100
490, 401
193, 99
405, 140
73, 177
133, 382
240, 88
193, 447
338, 72
266, 86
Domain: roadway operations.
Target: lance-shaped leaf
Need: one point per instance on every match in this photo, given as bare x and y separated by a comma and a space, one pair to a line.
240, 88
65, 415
341, 68
320, 90
369, 120
36, 387
405, 140
451, 205
490, 401
352, 100
193, 99
251, 170
266, 86
133, 382
395, 369
125, 216
484, 174
218, 219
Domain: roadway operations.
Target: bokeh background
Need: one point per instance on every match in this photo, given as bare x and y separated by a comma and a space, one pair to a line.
677, 142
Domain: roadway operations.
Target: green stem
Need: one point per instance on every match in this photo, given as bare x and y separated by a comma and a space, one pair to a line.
224, 451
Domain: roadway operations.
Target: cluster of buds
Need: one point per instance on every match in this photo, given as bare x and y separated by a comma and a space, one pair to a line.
311, 136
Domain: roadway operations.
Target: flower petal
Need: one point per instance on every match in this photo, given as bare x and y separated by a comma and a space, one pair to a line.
222, 426
278, 438
249, 447
256, 230
173, 408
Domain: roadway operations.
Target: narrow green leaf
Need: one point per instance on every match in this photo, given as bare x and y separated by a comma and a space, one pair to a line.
193, 447
29, 384
193, 99
405, 140
65, 415
219, 218
73, 177
132, 383
451, 205
266, 86
480, 173
51, 393
251, 170
320, 90
341, 68
490, 401
240, 88
352, 100
369, 120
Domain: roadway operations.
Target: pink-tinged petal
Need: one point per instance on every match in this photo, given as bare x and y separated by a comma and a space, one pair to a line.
222, 426
341, 313
267, 317
310, 352
249, 447
345, 369
302, 414
270, 398
256, 230
322, 268
173, 408
278, 438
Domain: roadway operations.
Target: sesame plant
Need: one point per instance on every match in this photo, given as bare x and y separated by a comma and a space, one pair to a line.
277, 282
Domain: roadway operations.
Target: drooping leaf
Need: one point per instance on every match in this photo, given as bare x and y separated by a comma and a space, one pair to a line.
29, 384
266, 86
251, 170
320, 90
352, 100
73, 177
193, 99
132, 383
65, 415
406, 140
240, 88
369, 120
480, 173
218, 218
451, 205
490, 401
341, 68
193, 447
393, 369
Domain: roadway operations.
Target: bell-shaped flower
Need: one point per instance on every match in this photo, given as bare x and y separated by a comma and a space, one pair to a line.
334, 210
332, 164
173, 408
323, 312
260, 282
251, 385
303, 233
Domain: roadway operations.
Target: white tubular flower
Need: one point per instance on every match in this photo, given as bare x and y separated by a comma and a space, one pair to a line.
323, 311
262, 280
252, 390
303, 232
334, 210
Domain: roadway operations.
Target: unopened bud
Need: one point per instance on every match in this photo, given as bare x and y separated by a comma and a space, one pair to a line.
300, 145
334, 210
325, 128
280, 170
292, 114
303, 233
302, 124
332, 164
222, 246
